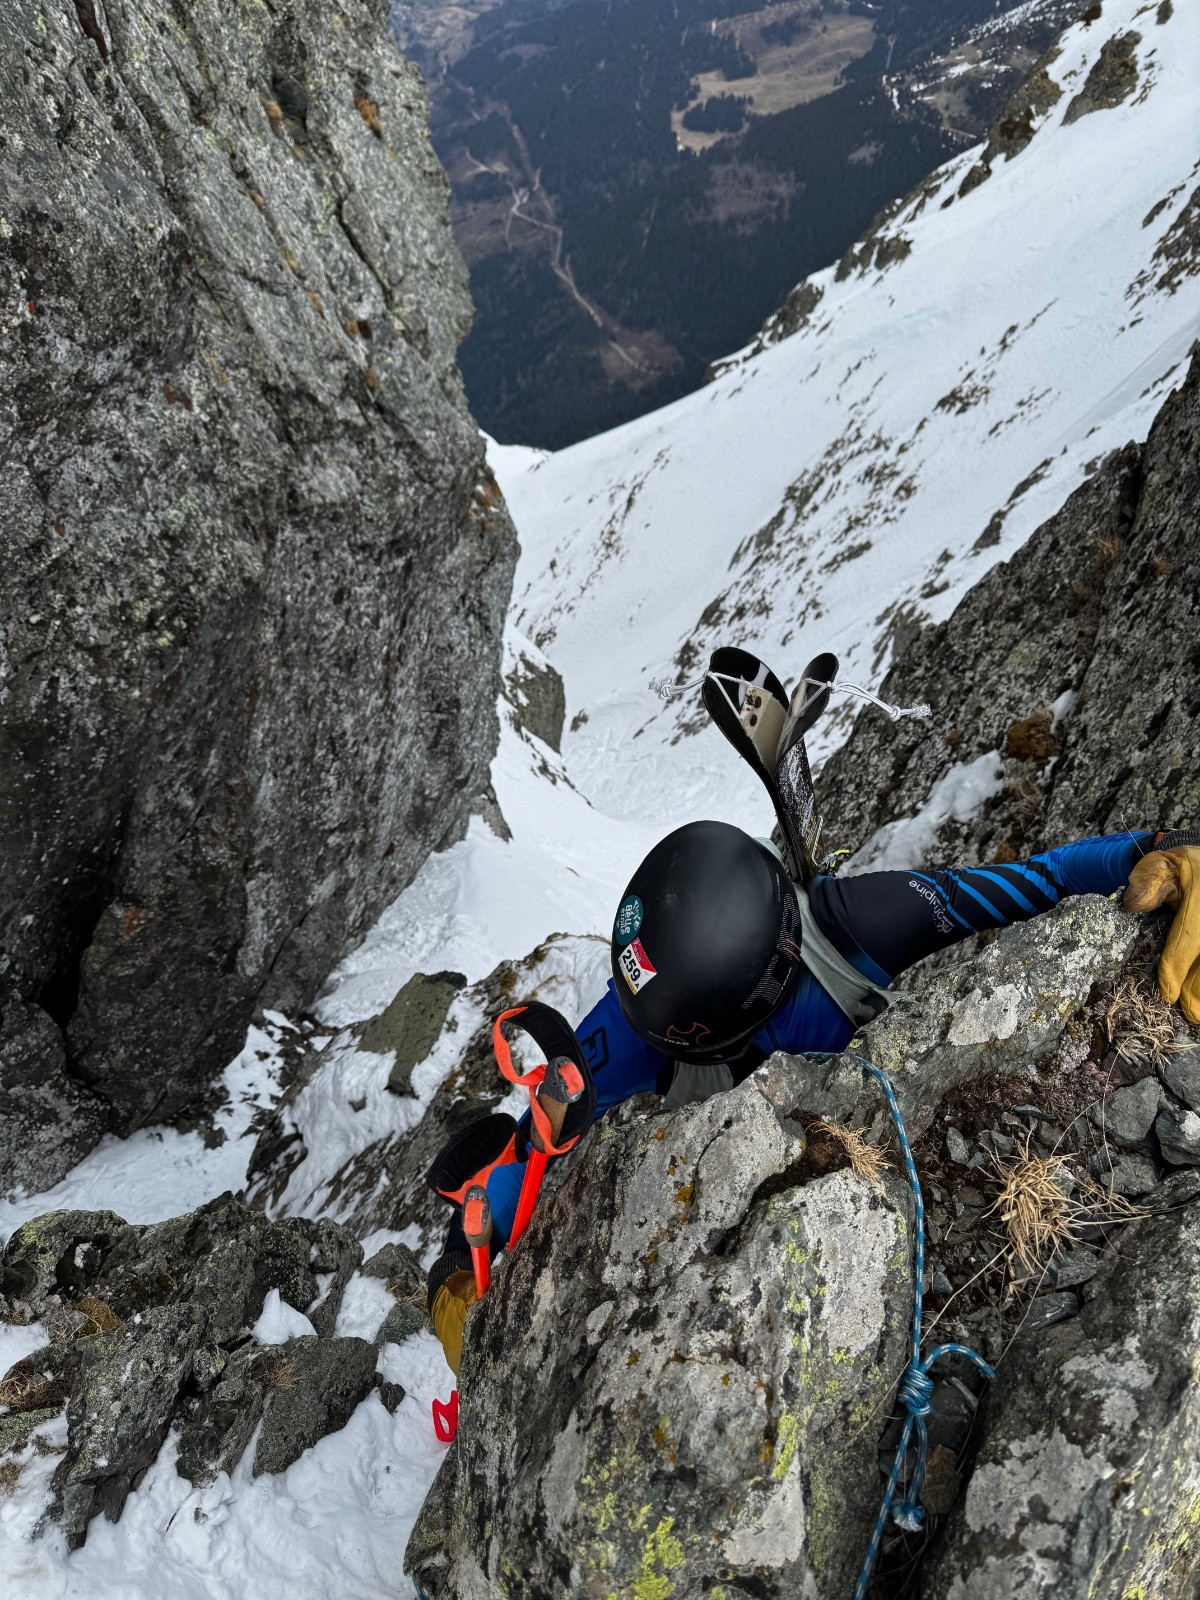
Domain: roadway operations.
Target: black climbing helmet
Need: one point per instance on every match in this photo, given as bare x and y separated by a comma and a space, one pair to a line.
706, 942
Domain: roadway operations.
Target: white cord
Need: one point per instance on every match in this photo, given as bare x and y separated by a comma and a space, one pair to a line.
921, 709
669, 691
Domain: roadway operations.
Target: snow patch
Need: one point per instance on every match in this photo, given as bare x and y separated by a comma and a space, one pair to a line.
912, 841
280, 1322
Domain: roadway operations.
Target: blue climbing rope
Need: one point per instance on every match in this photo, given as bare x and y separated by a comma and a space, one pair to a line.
916, 1387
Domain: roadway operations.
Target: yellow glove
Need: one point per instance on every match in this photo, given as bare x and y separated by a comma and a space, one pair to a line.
1172, 878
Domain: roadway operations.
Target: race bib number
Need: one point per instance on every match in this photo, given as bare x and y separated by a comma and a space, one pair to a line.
636, 967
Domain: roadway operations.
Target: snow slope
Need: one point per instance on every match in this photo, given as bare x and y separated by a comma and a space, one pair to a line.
817, 490
816, 494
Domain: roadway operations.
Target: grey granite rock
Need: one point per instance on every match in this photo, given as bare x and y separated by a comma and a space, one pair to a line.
1128, 1175
412, 1024
1127, 1115
1087, 1475
253, 566
1098, 604
50, 1120
1047, 1309
405, 1318
1181, 1074
536, 691
316, 1385
701, 1355
1113, 78
1179, 1136
957, 1147
999, 1013
151, 1328
397, 1265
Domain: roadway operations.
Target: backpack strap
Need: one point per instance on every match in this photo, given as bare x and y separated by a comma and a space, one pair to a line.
860, 999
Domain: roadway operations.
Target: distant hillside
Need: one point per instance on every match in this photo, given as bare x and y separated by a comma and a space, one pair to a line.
636, 186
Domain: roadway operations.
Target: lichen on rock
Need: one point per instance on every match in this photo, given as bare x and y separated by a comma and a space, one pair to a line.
677, 1385
255, 567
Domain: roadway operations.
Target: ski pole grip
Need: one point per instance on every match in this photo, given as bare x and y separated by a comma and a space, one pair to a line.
555, 1113
477, 1217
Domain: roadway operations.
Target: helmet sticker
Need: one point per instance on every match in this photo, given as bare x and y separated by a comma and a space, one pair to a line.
694, 1034
636, 967
629, 920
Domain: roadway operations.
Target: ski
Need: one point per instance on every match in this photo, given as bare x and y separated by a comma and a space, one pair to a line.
766, 726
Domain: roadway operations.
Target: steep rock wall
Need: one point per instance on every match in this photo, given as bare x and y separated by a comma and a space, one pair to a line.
254, 566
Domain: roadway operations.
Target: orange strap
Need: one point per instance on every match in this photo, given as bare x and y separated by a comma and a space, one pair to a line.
530, 1081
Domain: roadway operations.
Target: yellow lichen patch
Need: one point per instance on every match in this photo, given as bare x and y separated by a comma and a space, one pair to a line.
662, 1554
683, 1195
786, 1436
632, 1359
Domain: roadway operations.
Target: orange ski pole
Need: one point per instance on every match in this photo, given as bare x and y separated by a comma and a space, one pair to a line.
477, 1225
562, 1084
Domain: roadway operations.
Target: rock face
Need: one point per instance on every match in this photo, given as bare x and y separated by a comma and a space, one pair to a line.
59, 1121
150, 1327
254, 567
1087, 1478
1074, 663
679, 1383
672, 1391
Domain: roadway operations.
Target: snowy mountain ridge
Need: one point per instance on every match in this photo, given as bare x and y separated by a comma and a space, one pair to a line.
958, 374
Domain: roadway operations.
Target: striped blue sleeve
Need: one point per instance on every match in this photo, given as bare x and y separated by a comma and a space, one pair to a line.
1012, 891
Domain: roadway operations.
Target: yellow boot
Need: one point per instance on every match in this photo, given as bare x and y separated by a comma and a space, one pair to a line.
452, 1300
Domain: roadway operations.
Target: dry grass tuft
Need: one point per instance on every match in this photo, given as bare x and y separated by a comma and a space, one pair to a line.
10, 1474
1139, 1023
369, 112
23, 1388
282, 1376
866, 1160
1045, 1204
100, 1312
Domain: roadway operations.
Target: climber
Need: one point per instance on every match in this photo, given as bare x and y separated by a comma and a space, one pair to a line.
719, 959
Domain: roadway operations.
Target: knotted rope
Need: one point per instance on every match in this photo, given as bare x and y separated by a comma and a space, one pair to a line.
916, 1386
